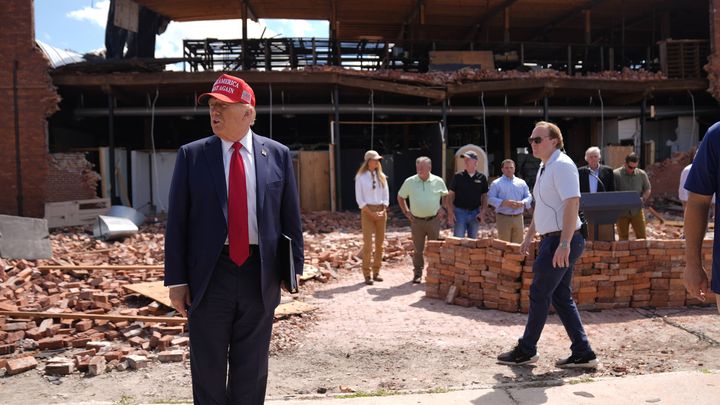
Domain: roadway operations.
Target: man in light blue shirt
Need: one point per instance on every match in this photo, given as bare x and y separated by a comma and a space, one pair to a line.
510, 196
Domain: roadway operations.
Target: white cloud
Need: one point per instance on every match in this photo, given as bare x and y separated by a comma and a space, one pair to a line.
170, 43
304, 28
97, 14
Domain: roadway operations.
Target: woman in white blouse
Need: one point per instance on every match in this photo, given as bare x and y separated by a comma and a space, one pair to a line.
373, 198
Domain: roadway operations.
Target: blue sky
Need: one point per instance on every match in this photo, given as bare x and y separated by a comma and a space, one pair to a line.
79, 25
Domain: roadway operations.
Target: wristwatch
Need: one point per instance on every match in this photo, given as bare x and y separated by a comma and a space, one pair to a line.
563, 244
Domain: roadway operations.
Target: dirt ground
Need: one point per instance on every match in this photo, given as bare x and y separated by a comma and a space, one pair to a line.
390, 337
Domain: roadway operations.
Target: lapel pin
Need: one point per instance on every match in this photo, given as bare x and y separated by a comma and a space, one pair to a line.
263, 152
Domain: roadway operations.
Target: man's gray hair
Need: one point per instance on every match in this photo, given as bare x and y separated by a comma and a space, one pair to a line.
422, 159
593, 149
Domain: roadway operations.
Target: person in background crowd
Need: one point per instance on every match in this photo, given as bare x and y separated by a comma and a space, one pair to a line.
425, 191
597, 178
510, 196
373, 198
631, 178
467, 199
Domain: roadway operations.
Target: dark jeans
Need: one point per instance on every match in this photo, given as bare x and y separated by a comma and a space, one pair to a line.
230, 327
551, 284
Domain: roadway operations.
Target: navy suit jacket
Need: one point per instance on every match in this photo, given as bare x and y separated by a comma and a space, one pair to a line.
197, 215
606, 177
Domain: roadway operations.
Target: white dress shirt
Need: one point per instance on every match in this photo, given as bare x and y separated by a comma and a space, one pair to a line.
250, 181
593, 180
365, 193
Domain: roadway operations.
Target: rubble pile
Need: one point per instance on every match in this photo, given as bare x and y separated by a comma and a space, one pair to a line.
665, 175
471, 74
94, 346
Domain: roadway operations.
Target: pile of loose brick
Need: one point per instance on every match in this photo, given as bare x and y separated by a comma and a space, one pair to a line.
96, 346
86, 345
493, 274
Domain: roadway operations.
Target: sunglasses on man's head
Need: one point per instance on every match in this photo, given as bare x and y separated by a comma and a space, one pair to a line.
535, 139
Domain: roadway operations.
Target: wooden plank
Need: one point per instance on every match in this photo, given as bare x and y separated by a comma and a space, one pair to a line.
80, 315
102, 267
152, 289
314, 180
656, 214
293, 308
614, 156
391, 87
157, 291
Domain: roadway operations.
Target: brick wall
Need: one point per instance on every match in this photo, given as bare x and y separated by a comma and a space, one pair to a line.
493, 274
37, 99
70, 177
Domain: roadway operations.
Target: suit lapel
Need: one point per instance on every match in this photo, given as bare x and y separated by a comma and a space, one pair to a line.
261, 168
214, 157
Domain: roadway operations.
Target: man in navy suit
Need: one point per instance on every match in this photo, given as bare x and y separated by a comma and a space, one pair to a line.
232, 197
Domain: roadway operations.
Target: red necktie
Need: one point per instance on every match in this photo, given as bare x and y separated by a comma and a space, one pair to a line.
238, 209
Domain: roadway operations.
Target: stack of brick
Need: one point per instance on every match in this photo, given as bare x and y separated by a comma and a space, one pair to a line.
87, 346
643, 273
505, 270
484, 272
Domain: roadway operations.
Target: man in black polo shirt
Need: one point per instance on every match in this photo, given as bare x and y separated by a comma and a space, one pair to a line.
467, 199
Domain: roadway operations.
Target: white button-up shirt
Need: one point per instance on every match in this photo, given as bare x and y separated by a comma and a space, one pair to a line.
250, 181
556, 181
365, 193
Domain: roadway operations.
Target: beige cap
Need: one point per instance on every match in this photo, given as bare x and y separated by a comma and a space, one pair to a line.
372, 155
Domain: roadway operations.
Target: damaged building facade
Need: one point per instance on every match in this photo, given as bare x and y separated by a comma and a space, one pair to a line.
407, 78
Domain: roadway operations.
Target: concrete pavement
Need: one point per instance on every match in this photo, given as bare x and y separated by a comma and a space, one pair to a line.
697, 388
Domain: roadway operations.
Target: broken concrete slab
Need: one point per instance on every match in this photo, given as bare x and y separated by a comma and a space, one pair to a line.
24, 238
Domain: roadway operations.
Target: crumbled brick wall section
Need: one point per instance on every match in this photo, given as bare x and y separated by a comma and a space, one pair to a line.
713, 66
493, 274
71, 177
665, 175
37, 99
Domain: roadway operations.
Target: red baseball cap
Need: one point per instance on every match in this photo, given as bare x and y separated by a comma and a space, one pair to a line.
230, 89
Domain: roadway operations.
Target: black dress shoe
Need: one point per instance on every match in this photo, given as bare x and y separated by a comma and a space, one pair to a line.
377, 278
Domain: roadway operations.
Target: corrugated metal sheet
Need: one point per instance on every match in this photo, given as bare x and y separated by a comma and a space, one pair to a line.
59, 57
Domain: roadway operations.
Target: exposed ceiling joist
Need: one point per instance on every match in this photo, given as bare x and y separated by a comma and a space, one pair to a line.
487, 17
566, 17
251, 11
411, 16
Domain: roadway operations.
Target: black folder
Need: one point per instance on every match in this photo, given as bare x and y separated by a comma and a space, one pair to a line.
286, 264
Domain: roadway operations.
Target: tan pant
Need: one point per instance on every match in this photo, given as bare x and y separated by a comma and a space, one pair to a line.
373, 225
605, 232
638, 224
421, 229
510, 228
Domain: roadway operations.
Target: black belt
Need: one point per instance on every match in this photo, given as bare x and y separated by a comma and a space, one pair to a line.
508, 215
425, 218
254, 249
558, 233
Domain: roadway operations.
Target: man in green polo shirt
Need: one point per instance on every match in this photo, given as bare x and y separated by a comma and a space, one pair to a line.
631, 178
424, 190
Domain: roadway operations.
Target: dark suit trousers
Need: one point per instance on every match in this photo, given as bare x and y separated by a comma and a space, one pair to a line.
230, 326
